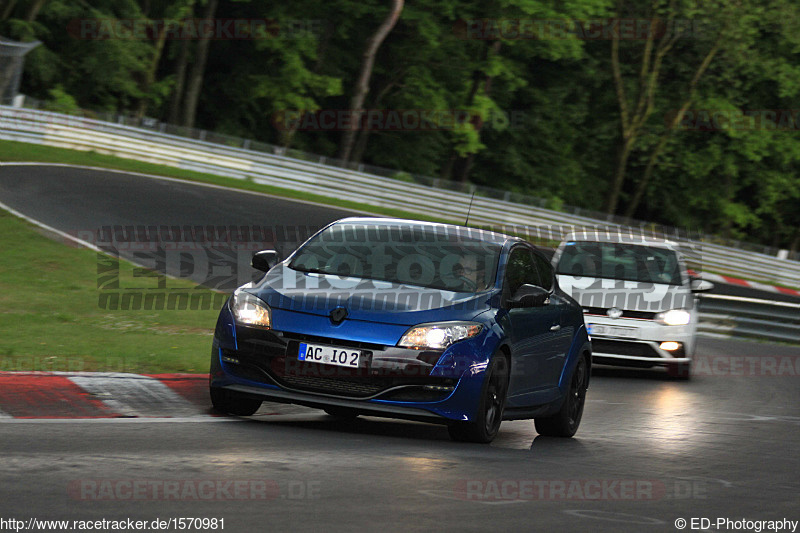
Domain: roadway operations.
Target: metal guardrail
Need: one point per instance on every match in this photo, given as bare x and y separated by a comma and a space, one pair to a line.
749, 317
54, 129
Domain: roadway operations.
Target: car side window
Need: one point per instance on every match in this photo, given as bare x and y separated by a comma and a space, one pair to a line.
520, 270
545, 271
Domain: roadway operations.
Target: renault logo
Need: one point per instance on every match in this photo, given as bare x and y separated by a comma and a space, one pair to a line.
338, 314
614, 312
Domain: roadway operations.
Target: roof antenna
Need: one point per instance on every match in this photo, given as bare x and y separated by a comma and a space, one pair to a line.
469, 209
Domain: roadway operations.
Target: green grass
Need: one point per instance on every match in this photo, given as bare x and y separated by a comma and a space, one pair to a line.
50, 318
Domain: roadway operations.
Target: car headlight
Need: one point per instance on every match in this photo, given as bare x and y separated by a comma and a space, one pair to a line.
250, 310
674, 317
440, 335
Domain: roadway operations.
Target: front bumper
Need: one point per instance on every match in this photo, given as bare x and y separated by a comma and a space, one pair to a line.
390, 381
635, 342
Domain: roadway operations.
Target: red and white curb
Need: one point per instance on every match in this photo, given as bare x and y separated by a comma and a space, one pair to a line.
113, 396
719, 278
55, 395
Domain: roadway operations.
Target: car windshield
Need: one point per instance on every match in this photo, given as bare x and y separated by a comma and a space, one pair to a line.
438, 257
629, 262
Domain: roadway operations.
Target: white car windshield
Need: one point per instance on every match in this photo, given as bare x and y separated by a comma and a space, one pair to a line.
628, 262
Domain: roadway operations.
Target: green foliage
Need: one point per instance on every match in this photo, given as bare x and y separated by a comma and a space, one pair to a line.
544, 115
62, 102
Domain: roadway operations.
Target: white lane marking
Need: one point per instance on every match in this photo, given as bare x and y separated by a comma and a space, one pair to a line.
135, 395
746, 417
58, 232
613, 517
76, 240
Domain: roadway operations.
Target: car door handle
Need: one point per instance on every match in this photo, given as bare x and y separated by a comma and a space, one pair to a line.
555, 327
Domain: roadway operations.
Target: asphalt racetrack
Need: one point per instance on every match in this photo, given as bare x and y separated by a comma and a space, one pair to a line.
651, 453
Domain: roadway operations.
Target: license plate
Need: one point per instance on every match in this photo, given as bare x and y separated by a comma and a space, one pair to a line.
329, 355
612, 331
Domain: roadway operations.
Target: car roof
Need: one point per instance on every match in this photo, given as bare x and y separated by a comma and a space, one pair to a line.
451, 229
632, 238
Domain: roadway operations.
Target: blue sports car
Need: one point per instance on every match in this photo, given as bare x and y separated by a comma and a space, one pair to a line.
407, 319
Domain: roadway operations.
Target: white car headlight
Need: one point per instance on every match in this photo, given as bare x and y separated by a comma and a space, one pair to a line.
250, 310
439, 336
674, 317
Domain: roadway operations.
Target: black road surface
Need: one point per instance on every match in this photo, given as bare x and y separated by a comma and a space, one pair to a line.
651, 450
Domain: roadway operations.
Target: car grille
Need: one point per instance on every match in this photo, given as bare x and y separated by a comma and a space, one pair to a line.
603, 311
337, 386
639, 349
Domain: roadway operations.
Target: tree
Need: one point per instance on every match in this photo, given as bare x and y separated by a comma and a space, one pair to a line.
362, 83
195, 82
636, 110
169, 22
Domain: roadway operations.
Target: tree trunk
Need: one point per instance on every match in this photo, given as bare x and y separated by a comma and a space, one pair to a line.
634, 115
460, 167
447, 169
33, 10
8, 9
362, 85
198, 69
795, 242
150, 75
623, 154
174, 116
465, 168
363, 136
455, 161
287, 136
662, 142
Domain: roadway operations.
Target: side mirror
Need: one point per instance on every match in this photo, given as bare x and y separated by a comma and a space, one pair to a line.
529, 296
700, 285
265, 259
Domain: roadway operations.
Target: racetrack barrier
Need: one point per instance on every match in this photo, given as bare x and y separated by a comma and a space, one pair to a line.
236, 159
750, 317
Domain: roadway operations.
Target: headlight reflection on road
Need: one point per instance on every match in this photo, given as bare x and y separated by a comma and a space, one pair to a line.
677, 422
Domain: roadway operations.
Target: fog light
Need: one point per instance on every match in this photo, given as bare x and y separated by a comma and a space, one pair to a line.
229, 359
670, 346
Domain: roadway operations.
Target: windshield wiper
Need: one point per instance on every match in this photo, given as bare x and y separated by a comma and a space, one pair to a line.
309, 270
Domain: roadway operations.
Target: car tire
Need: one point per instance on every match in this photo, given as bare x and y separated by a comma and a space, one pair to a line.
231, 402
680, 371
566, 421
342, 413
490, 407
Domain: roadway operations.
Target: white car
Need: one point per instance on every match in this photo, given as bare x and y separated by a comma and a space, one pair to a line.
638, 300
